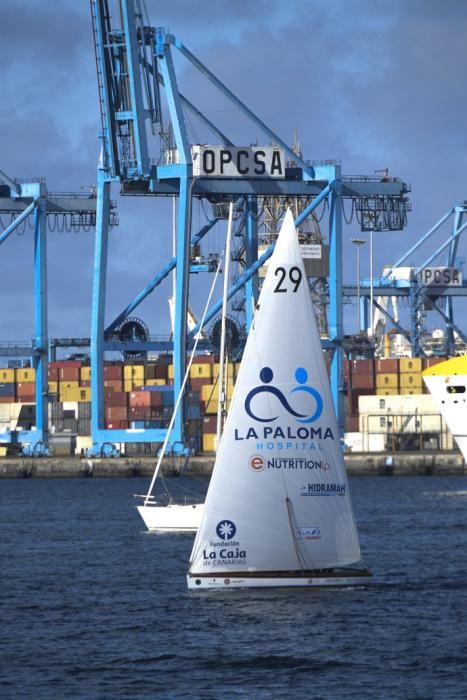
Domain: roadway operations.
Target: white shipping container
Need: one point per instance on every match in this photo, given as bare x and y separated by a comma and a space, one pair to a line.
408, 404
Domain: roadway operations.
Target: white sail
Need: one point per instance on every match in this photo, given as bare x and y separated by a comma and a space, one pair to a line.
279, 499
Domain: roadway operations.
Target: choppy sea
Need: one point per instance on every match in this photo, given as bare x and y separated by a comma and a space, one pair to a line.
94, 607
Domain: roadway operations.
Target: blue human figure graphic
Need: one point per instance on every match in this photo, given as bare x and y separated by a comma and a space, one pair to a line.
301, 375
266, 375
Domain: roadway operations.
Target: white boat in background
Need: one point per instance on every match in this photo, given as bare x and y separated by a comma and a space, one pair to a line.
447, 383
278, 511
173, 517
163, 517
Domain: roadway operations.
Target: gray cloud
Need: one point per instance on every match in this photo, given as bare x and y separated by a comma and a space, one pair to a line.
374, 84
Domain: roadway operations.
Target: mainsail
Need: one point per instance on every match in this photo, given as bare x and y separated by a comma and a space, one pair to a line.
279, 498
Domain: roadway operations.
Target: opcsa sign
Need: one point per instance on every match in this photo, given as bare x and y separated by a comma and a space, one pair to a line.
227, 161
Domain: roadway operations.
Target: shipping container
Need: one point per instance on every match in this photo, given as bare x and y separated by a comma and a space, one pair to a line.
66, 389
422, 403
209, 442
69, 374
114, 384
432, 361
386, 365
129, 385
211, 391
228, 370
210, 407
25, 390
84, 410
410, 364
85, 374
410, 380
362, 381
114, 372
351, 424
117, 425
362, 367
209, 424
145, 398
197, 384
200, 371
52, 374
7, 376
208, 359
135, 372
387, 381
117, 398
25, 375
113, 413
8, 389
387, 391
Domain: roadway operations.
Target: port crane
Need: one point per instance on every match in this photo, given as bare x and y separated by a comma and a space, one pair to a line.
138, 89
27, 201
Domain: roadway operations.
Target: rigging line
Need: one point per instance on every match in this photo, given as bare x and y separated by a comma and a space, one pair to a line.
182, 388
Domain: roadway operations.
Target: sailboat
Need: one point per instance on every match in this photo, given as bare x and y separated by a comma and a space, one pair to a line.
447, 383
278, 511
185, 517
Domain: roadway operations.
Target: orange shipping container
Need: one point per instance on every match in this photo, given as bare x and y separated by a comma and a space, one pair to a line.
114, 372
362, 381
116, 413
52, 374
117, 398
68, 374
24, 389
114, 384
386, 365
145, 398
362, 367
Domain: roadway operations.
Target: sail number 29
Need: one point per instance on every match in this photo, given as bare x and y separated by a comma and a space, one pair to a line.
294, 276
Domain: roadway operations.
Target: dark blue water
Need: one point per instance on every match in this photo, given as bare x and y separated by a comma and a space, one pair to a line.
93, 607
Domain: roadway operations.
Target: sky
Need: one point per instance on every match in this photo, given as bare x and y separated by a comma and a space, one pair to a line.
372, 84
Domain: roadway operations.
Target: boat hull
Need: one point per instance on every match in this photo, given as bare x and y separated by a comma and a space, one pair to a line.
336, 578
172, 517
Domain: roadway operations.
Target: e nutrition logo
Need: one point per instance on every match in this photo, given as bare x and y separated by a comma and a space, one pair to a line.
257, 463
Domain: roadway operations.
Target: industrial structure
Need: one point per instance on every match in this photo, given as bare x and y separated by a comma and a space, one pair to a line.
148, 151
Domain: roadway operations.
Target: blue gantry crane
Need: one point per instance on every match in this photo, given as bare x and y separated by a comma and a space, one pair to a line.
23, 200
138, 91
431, 285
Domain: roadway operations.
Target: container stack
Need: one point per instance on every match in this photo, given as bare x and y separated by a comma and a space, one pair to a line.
140, 395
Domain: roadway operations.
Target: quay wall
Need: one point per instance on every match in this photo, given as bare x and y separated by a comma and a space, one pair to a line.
363, 464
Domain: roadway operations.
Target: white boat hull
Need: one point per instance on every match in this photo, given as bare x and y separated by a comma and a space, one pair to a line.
339, 579
447, 383
172, 517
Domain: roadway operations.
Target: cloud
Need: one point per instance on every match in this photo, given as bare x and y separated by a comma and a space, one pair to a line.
372, 84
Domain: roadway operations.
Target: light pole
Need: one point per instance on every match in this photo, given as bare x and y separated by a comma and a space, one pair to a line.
358, 242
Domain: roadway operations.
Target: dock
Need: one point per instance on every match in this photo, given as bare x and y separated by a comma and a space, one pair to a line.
357, 464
